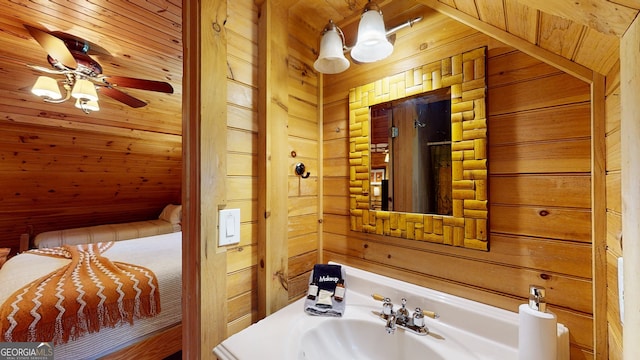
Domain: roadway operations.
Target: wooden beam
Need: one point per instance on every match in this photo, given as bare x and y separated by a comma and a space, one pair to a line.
204, 176
604, 16
191, 181
273, 156
635, 4
599, 217
630, 148
543, 55
320, 258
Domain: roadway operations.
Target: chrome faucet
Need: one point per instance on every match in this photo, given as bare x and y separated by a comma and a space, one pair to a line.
387, 311
403, 313
403, 319
391, 324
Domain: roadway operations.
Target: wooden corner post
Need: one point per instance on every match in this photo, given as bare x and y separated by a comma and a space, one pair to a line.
273, 93
204, 265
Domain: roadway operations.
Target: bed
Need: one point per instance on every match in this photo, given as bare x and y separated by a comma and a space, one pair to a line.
168, 221
154, 337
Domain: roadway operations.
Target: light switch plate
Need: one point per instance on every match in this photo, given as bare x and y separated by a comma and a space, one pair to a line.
229, 226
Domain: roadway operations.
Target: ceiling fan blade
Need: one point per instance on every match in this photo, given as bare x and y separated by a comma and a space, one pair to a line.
151, 85
48, 70
122, 97
53, 46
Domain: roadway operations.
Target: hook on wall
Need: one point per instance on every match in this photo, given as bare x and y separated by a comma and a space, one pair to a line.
300, 171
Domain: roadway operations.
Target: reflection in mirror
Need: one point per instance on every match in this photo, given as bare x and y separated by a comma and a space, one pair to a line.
411, 154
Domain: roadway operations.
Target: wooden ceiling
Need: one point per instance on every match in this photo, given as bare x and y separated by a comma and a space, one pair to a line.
584, 32
143, 40
137, 38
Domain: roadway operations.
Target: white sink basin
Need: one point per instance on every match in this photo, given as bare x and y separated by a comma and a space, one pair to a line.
354, 339
465, 330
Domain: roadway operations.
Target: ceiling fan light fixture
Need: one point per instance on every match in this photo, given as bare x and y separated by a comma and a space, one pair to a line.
87, 105
84, 90
372, 44
47, 87
331, 59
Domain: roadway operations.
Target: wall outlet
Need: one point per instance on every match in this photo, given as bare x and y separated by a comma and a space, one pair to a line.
621, 289
229, 226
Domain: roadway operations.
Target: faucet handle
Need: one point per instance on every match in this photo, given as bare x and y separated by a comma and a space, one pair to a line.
403, 312
387, 307
418, 317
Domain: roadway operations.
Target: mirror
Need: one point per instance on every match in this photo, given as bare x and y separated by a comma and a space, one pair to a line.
410, 147
462, 76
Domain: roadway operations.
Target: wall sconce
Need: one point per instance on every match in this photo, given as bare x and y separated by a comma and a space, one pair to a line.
80, 89
372, 44
331, 59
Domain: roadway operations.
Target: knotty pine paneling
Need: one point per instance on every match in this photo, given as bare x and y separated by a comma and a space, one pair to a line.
536, 236
300, 245
304, 146
242, 118
242, 156
541, 157
299, 226
564, 122
241, 305
538, 93
62, 168
300, 267
56, 178
566, 190
541, 221
242, 281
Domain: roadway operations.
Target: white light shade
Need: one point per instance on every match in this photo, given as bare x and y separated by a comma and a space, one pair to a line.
372, 44
376, 191
86, 106
331, 59
46, 87
85, 90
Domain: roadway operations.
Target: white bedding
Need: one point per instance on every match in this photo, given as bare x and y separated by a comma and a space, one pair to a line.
161, 253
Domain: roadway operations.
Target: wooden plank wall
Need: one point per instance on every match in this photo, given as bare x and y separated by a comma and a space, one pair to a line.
614, 210
242, 155
539, 168
61, 168
304, 130
62, 174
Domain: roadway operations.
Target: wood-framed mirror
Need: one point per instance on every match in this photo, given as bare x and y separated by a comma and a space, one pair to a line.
467, 225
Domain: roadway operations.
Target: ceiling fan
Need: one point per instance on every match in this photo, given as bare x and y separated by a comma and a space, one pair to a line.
68, 56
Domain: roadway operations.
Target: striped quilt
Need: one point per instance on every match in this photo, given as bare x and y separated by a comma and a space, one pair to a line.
89, 293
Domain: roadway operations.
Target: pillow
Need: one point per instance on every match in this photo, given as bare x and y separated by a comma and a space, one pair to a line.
172, 214
4, 254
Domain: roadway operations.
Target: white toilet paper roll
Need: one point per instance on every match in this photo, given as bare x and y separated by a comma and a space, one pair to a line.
537, 334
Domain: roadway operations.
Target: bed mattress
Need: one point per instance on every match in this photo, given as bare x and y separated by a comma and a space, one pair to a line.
103, 233
161, 253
